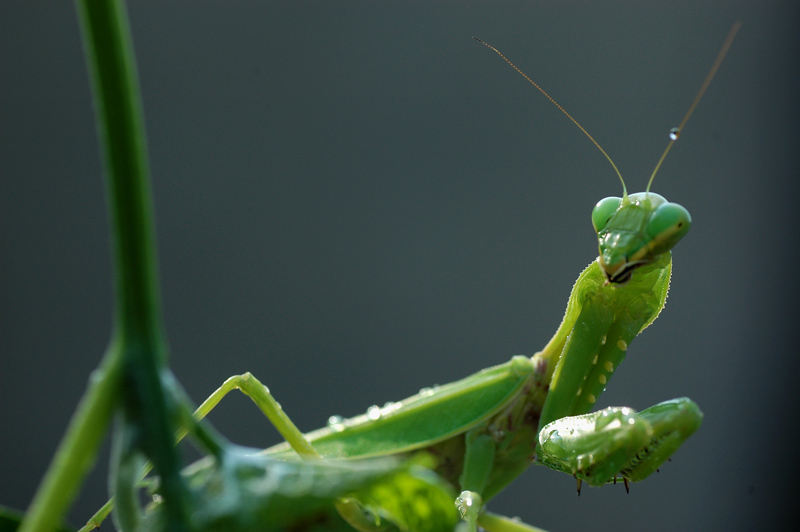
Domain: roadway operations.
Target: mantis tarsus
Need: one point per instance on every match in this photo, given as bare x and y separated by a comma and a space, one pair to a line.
480, 432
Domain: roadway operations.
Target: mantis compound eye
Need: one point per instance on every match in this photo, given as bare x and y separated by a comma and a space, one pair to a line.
603, 212
667, 225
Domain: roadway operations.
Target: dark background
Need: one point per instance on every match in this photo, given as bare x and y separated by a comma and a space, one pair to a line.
356, 200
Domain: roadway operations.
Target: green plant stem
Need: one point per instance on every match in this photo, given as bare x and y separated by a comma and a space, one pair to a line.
138, 325
78, 449
132, 369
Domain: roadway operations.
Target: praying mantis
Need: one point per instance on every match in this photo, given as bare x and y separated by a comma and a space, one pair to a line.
476, 434
484, 430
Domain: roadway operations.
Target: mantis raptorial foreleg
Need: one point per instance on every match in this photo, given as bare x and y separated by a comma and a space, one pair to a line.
616, 442
672, 422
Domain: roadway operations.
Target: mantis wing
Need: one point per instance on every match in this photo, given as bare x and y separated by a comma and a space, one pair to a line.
424, 419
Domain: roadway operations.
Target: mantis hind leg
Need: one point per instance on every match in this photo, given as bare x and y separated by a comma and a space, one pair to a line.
249, 385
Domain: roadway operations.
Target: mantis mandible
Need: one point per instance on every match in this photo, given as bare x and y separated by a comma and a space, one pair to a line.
484, 430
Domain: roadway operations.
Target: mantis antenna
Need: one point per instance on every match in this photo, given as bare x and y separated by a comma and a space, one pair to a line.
674, 132
524, 75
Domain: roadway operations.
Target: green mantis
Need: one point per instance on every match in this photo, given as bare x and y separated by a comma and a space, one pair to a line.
475, 435
484, 430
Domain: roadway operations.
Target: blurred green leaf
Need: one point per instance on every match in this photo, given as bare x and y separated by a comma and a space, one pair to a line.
250, 492
414, 499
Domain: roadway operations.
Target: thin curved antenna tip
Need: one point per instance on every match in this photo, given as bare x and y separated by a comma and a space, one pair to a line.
524, 75
675, 133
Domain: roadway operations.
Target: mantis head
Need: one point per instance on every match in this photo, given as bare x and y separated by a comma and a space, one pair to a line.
634, 230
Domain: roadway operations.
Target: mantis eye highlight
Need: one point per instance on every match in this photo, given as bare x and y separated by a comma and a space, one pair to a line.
603, 212
667, 225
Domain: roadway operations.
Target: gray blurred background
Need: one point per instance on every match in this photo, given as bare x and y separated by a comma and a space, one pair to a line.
356, 200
